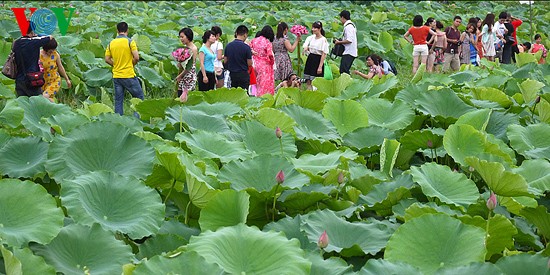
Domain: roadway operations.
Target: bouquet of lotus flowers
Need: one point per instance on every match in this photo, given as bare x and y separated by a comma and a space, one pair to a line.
299, 30
182, 55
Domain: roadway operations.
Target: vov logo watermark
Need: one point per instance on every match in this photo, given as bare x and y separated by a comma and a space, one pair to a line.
43, 20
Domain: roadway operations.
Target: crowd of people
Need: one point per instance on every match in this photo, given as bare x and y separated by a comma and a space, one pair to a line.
257, 64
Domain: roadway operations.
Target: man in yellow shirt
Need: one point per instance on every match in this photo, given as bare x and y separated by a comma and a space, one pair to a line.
122, 54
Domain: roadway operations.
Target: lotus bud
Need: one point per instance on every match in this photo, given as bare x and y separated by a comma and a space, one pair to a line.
492, 202
430, 144
278, 132
537, 99
323, 240
340, 177
280, 177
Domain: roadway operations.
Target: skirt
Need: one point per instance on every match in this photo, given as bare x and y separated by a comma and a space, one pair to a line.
312, 63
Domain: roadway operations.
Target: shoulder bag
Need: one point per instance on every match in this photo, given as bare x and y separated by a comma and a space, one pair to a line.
10, 67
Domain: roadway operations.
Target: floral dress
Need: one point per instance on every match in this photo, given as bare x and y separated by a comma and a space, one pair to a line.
52, 80
189, 79
263, 63
282, 59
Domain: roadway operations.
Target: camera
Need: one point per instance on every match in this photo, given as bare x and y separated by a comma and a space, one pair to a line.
301, 80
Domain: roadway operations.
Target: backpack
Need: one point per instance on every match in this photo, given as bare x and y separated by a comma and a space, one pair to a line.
393, 69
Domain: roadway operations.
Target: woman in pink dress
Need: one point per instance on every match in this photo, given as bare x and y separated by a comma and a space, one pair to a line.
262, 55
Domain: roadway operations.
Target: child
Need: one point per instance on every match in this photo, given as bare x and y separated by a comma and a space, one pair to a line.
438, 49
538, 46
51, 62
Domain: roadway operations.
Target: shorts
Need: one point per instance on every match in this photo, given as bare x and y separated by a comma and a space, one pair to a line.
221, 71
420, 50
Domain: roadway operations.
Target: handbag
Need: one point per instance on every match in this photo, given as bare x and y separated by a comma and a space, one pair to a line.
10, 67
328, 71
36, 79
338, 49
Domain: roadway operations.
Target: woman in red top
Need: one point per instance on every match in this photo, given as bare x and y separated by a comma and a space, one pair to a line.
419, 34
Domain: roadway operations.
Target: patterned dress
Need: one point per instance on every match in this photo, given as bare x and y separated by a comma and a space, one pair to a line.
189, 79
52, 80
282, 59
263, 63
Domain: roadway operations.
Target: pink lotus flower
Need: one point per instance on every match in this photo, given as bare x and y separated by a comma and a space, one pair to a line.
298, 30
430, 144
181, 54
492, 202
278, 132
323, 240
280, 178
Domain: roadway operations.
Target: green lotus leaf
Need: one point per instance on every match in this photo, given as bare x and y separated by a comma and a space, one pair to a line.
68, 41
429, 236
516, 204
196, 120
444, 103
332, 265
381, 266
259, 173
388, 155
346, 115
143, 42
4, 137
500, 233
307, 99
530, 141
378, 17
262, 140
151, 76
529, 89
419, 73
416, 209
368, 137
332, 87
525, 58
11, 114
523, 264
226, 208
217, 108
99, 146
63, 123
130, 122
247, 250
448, 186
346, 238
420, 139
498, 123
23, 157
500, 181
321, 163
213, 145
23, 261
386, 40
36, 108
12, 265
98, 77
79, 249
357, 89
543, 110
477, 119
87, 58
464, 76
29, 213
535, 172
310, 124
273, 118
540, 217
473, 268
292, 227
154, 107
382, 87
412, 92
233, 95
387, 194
492, 94
117, 203
383, 113
160, 244
199, 192
185, 263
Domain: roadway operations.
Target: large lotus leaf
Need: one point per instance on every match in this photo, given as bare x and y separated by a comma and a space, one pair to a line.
443, 103
196, 120
295, 201
388, 155
441, 182
160, 244
4, 137
226, 208
23, 157
247, 250
332, 265
213, 145
63, 123
540, 217
321, 162
421, 139
525, 58
500, 233
129, 122
535, 172
372, 136
437, 241
382, 85
332, 87
531, 141
529, 89
310, 124
22, 261
12, 265
117, 203
151, 76
99, 146
217, 108
543, 110
347, 238
11, 114
36, 108
387, 194
185, 263
498, 123
499, 180
273, 118
492, 94
98, 77
87, 58
199, 191
464, 76
79, 249
154, 107
259, 173
346, 115
29, 213
381, 266
516, 204
386, 40
419, 73
416, 209
308, 99
293, 230
477, 119
262, 140
473, 268
357, 89
383, 113
523, 263
233, 95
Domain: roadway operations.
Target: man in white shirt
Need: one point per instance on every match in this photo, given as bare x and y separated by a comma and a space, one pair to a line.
349, 41
500, 30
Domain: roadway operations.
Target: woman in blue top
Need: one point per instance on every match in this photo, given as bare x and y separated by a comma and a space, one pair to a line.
206, 77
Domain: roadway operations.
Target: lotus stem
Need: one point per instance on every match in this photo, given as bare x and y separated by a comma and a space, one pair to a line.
274, 202
299, 60
187, 212
281, 143
170, 192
